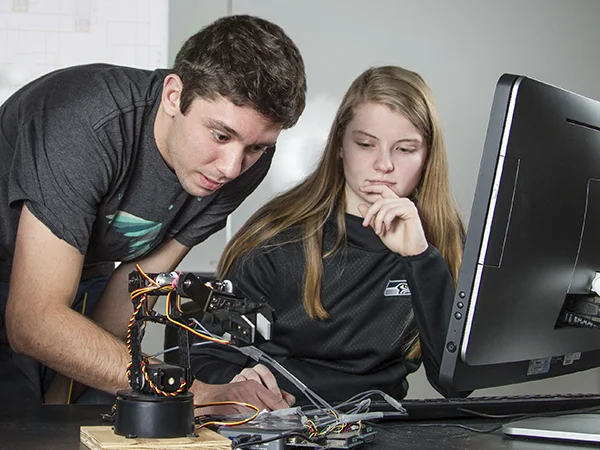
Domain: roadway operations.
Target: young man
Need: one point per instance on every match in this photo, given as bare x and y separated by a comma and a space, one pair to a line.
105, 164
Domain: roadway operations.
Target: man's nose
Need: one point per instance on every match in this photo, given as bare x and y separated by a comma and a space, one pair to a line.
231, 162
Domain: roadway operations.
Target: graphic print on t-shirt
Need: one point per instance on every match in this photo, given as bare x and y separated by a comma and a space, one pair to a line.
141, 232
397, 288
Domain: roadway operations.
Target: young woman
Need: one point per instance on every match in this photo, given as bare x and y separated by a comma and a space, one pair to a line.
360, 260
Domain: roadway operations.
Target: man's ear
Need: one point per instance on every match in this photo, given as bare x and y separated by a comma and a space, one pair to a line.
171, 94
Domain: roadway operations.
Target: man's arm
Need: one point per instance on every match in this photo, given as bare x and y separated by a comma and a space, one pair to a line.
40, 322
114, 309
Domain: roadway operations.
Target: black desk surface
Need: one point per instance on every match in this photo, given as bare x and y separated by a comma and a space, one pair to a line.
57, 427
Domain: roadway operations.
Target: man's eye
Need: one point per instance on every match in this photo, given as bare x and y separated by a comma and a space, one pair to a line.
219, 136
259, 148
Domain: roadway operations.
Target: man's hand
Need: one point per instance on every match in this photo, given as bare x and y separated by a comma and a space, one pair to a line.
248, 391
263, 375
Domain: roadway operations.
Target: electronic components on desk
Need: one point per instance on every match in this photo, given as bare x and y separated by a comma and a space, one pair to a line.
265, 438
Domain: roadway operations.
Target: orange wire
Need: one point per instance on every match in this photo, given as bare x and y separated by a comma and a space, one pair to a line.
142, 273
191, 330
229, 424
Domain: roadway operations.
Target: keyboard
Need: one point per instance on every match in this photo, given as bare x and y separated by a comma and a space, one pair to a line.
454, 408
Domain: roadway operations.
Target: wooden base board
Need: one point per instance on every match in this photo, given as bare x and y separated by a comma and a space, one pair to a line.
104, 438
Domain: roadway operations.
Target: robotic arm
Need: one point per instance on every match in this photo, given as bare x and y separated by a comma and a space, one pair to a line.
158, 403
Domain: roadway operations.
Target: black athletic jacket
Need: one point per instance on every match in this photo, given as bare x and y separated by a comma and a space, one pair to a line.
370, 294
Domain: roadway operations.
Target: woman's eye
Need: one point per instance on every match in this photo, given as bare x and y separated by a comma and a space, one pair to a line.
364, 144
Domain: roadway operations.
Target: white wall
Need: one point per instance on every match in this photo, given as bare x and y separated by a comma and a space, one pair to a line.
461, 48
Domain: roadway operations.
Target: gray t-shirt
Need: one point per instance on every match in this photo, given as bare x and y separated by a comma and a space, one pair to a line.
77, 146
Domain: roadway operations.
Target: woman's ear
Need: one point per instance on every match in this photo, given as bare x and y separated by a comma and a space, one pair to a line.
171, 95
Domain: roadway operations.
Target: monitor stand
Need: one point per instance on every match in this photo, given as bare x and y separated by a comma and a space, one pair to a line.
571, 427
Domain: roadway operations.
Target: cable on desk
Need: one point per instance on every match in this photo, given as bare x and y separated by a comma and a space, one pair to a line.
593, 409
512, 417
401, 431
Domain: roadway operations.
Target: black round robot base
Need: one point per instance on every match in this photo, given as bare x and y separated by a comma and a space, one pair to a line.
153, 416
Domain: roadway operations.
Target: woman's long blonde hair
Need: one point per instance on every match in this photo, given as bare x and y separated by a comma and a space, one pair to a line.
321, 195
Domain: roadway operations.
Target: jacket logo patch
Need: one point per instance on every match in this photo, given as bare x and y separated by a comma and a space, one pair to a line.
397, 288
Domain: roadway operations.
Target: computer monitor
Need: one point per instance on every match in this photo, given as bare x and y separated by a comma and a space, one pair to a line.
533, 242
